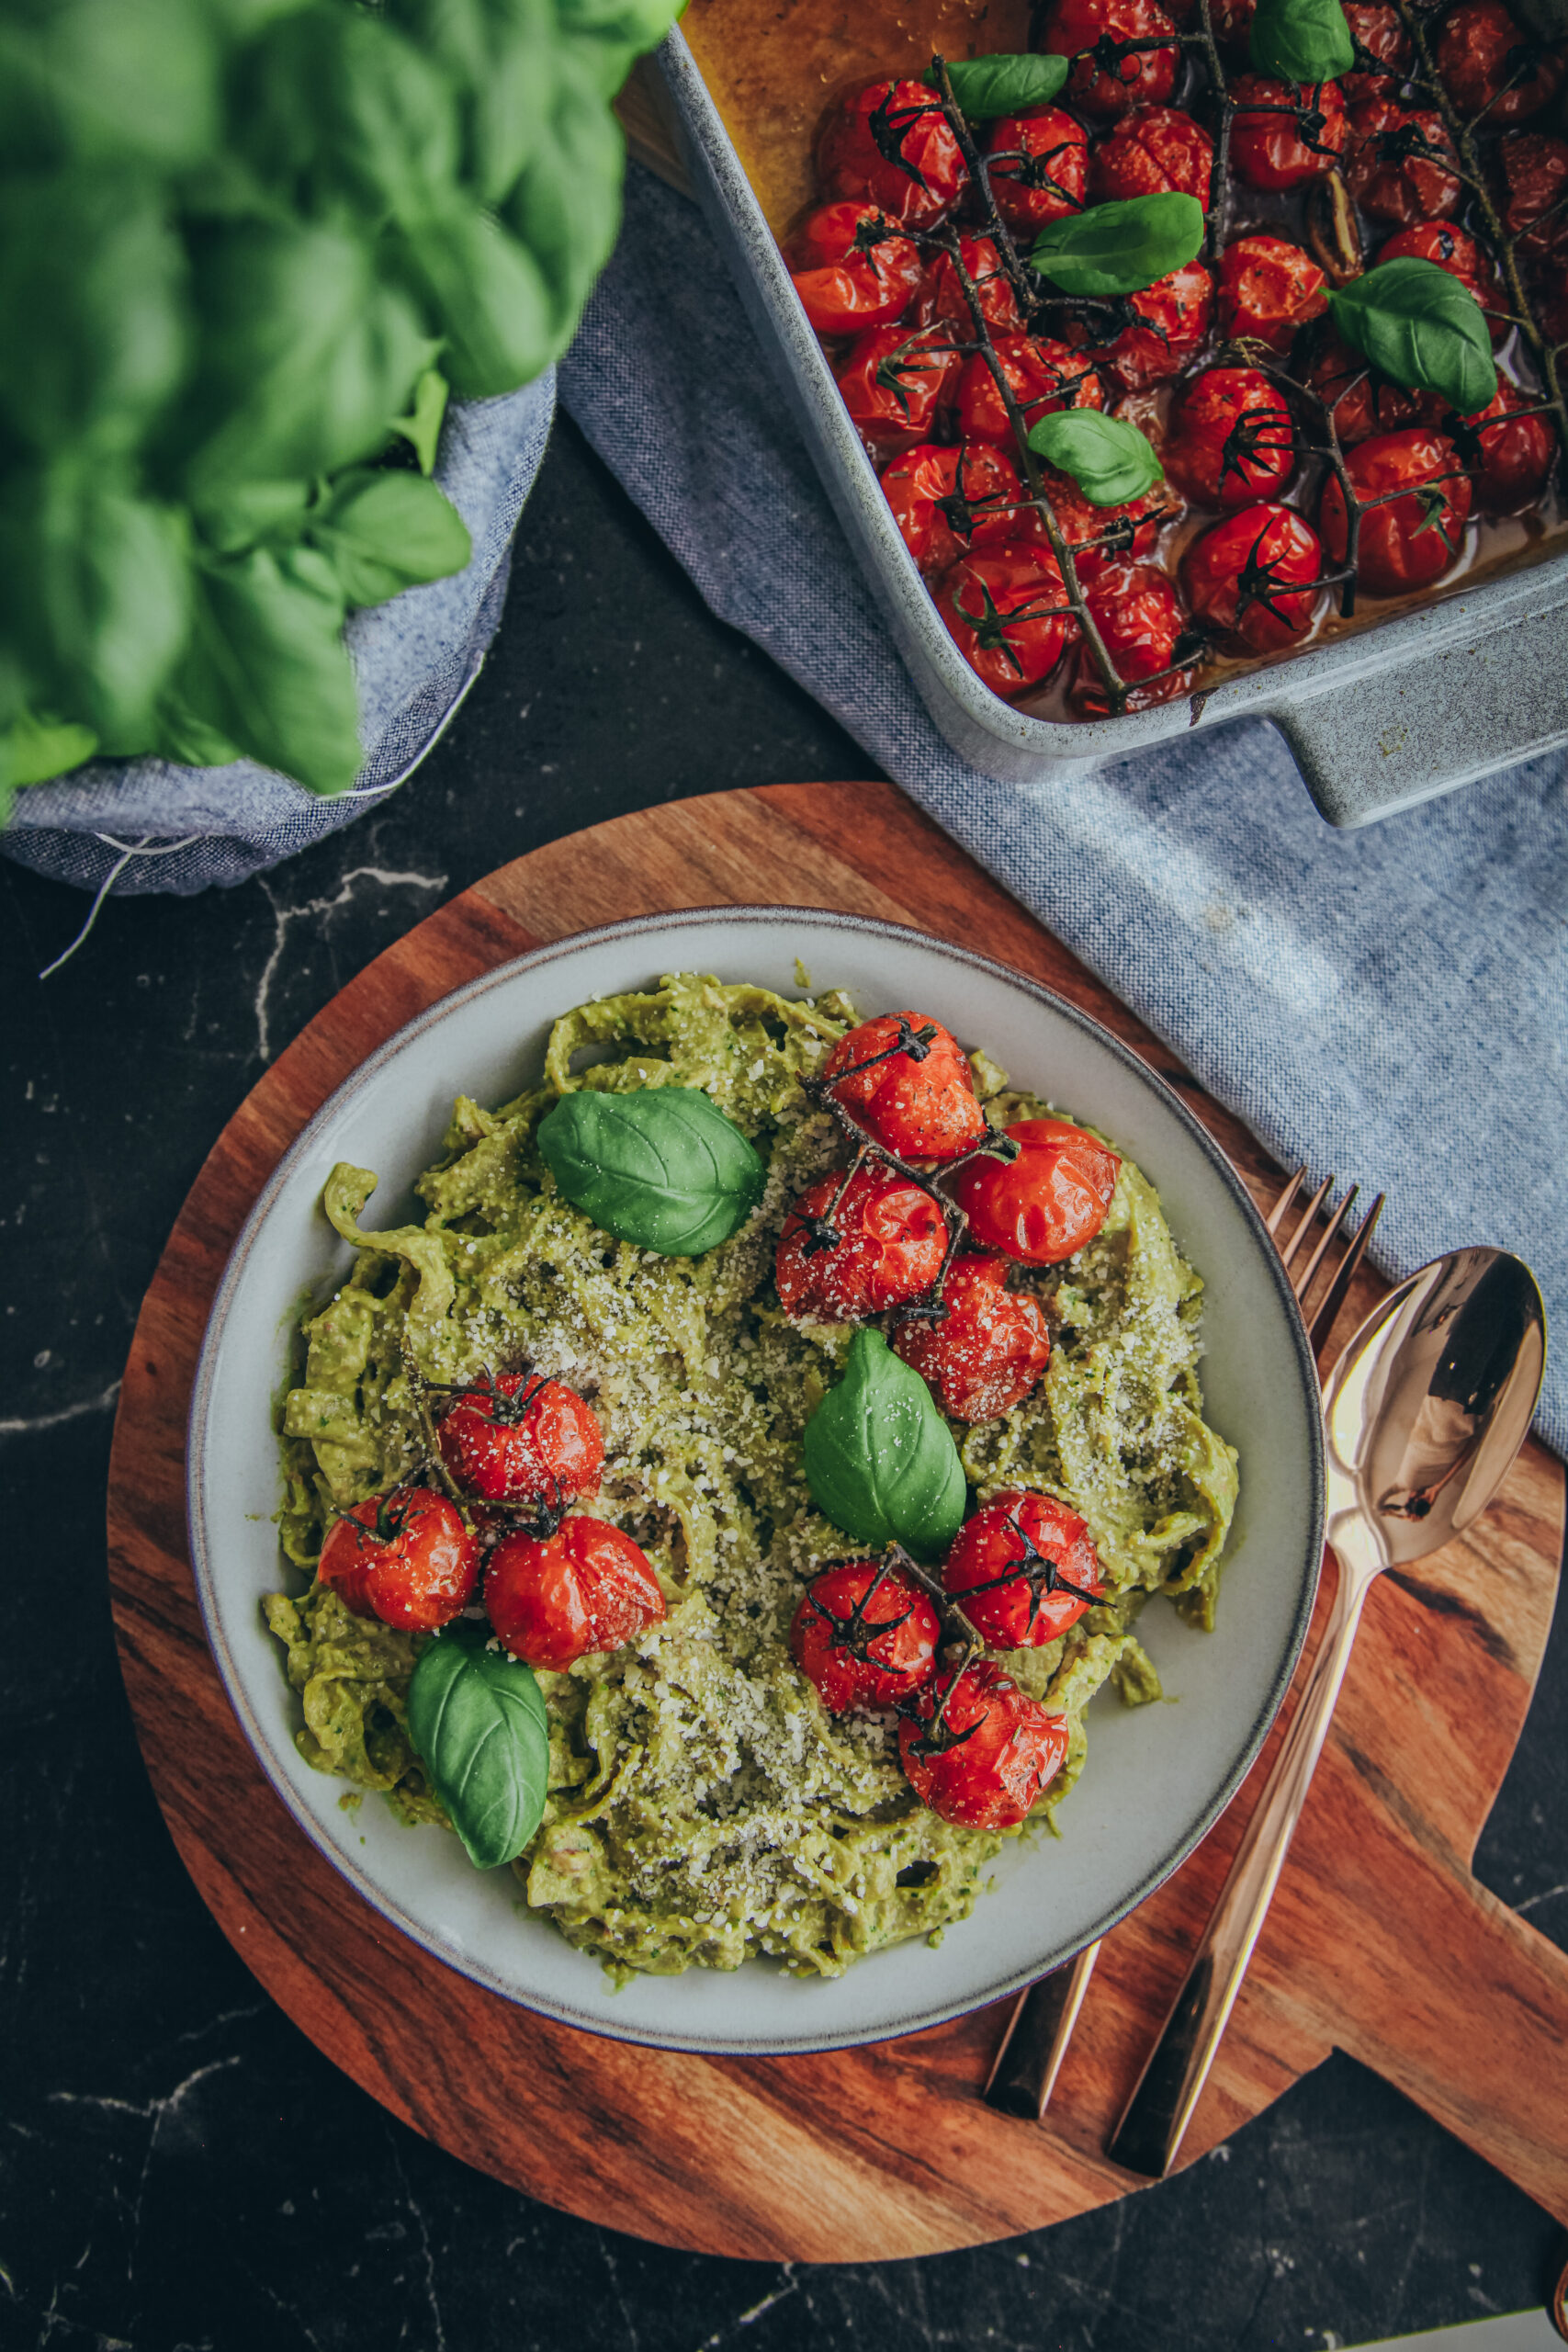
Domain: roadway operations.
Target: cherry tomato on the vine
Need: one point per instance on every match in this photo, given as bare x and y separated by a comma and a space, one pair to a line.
1007, 612
1284, 132
1231, 23
1410, 541
1038, 165
1140, 77
908, 1080
1489, 64
1024, 1570
1400, 163
405, 1558
865, 1635
1102, 535
1378, 29
854, 269
1535, 184
1247, 579
978, 1750
586, 1587
949, 500
1141, 624
891, 146
1233, 438
1457, 252
1360, 401
1041, 377
895, 381
1509, 455
523, 1439
989, 1350
1153, 150
1167, 322
1267, 288
944, 304
850, 1251
1051, 1200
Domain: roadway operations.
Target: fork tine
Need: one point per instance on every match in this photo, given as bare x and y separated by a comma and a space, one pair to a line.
1322, 1321
1275, 1217
1335, 1222
1309, 1217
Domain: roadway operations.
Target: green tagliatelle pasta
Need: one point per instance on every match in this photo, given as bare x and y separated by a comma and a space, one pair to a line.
702, 1806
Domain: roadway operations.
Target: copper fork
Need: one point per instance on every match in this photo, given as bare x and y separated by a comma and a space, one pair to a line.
1034, 2041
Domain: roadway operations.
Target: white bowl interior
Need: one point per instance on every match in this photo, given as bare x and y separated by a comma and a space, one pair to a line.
1158, 1776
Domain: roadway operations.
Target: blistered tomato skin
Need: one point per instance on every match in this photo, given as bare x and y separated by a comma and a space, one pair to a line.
1007, 612
523, 1440
1141, 622
945, 303
1267, 288
405, 1558
1489, 65
989, 1350
1102, 535
847, 1251
851, 269
892, 146
1153, 150
1247, 579
1042, 377
1039, 167
1283, 135
1171, 318
978, 1750
1535, 184
1051, 1200
950, 500
864, 1636
1361, 401
907, 1079
1377, 29
587, 1588
1024, 1570
1410, 541
1143, 77
896, 381
1400, 163
1233, 440
1456, 251
1510, 455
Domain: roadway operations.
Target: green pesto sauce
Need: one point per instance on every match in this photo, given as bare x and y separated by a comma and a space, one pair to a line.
702, 1806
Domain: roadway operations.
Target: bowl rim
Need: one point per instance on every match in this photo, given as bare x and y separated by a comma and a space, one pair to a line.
363, 1880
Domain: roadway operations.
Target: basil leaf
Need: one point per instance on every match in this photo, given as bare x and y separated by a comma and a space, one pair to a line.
32, 750
477, 1718
565, 207
488, 295
267, 668
1301, 40
496, 53
663, 1168
986, 87
339, 106
1110, 460
1120, 248
111, 80
1422, 328
383, 532
421, 427
880, 1459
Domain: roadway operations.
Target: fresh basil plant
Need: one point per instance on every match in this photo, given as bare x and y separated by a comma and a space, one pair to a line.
1306, 41
1423, 328
986, 87
880, 1459
1107, 458
1120, 248
663, 1167
477, 1718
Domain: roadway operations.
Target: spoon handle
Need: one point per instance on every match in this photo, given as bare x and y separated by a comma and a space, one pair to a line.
1154, 2124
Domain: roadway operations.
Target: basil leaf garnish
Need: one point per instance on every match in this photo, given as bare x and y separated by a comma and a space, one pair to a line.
1301, 40
1110, 460
1120, 248
477, 1718
880, 1459
1422, 328
986, 87
663, 1167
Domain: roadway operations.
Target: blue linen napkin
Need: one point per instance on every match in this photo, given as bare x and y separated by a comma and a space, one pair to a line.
151, 825
1389, 1003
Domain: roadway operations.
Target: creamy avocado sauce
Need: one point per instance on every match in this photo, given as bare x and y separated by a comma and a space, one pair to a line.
702, 1806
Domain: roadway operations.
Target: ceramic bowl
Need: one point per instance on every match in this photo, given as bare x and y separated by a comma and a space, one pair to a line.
1158, 1776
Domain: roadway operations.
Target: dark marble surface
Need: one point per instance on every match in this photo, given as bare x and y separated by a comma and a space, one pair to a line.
182, 2170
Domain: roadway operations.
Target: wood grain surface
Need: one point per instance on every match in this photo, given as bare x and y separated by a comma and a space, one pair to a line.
1379, 1941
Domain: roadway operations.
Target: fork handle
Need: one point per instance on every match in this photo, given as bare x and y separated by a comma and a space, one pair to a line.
1149, 2136
1029, 2056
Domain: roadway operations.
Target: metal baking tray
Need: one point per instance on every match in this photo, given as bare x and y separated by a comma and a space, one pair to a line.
1376, 722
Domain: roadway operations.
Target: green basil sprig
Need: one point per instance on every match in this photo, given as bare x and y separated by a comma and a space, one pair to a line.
880, 1459
663, 1168
1110, 460
1423, 328
986, 87
1120, 248
477, 1718
1301, 40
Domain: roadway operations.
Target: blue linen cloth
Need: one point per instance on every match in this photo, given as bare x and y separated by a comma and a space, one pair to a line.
180, 829
1388, 1003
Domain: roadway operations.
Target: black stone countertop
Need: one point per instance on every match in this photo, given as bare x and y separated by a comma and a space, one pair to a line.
183, 2171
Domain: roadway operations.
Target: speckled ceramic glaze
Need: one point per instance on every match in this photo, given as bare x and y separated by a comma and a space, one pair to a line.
1376, 722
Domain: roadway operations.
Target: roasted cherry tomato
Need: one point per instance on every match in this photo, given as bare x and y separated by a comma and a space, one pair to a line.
1051, 1200
1154, 151
865, 1635
1041, 376
990, 1349
1283, 132
1232, 440
1377, 30
588, 1587
1141, 77
1246, 579
852, 268
1267, 288
1360, 401
1102, 535
1508, 455
1535, 183
945, 303
978, 1750
1167, 322
891, 146
1039, 166
1142, 625
1553, 303
895, 382
1457, 252
1024, 1570
852, 1250
1489, 65
1400, 163
906, 1079
523, 1440
1007, 612
1232, 22
949, 501
1411, 541
405, 1558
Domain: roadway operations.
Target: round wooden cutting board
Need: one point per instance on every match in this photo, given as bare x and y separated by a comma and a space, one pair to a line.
1380, 1940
